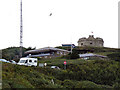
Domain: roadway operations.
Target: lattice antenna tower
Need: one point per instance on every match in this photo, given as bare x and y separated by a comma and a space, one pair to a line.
21, 29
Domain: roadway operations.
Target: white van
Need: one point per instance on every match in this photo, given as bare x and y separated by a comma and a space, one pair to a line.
28, 61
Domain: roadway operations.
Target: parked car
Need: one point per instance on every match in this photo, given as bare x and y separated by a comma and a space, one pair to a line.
13, 62
55, 67
3, 60
28, 61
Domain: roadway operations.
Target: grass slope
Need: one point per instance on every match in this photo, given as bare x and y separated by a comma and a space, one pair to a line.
79, 74
93, 73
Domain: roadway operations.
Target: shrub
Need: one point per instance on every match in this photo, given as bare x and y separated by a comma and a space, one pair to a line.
116, 85
114, 56
6, 84
86, 84
68, 84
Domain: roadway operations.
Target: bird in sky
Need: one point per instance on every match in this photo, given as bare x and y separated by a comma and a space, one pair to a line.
50, 14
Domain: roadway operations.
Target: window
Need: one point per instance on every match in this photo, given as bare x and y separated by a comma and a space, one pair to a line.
35, 61
90, 43
81, 43
22, 61
30, 60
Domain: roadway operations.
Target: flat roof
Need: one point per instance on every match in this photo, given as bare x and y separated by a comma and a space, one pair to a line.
46, 49
90, 55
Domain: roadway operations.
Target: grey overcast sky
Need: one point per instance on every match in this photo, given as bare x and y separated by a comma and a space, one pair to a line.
70, 20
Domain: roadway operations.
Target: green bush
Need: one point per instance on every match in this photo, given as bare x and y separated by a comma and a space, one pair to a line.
114, 56
116, 85
6, 84
86, 84
79, 74
105, 86
68, 84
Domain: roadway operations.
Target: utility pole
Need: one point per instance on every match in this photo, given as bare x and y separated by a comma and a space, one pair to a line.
21, 29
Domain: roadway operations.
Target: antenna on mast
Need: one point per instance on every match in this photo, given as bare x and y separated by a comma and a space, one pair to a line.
21, 29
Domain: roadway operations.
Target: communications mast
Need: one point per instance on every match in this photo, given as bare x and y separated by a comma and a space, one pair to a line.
21, 29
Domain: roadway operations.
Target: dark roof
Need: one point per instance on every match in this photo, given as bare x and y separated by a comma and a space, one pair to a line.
68, 45
46, 49
91, 55
39, 55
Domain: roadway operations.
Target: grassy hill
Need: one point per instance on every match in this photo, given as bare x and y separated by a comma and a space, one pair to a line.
92, 73
83, 74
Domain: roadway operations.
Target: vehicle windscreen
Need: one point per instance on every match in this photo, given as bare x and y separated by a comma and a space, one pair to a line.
22, 61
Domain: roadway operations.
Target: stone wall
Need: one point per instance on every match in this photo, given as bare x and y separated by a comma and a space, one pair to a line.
91, 41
